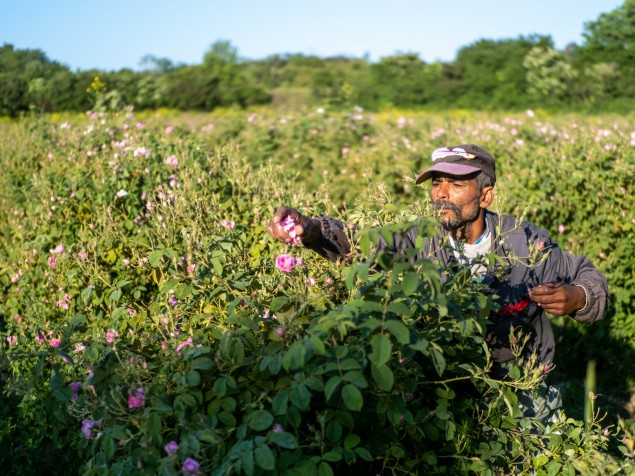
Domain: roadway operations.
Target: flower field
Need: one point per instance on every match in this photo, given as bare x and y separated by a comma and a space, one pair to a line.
150, 325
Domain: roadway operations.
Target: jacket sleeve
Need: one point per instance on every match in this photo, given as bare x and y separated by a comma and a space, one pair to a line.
333, 243
562, 266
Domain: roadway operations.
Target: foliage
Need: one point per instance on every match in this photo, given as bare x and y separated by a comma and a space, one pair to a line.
161, 338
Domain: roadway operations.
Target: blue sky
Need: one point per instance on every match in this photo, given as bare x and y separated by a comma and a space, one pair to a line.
114, 34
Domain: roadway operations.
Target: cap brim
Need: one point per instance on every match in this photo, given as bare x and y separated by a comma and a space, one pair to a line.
447, 168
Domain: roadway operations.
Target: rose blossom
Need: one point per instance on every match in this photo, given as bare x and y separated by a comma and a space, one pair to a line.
136, 399
285, 263
12, 340
171, 448
89, 429
54, 342
288, 225
111, 335
191, 466
185, 343
58, 250
75, 387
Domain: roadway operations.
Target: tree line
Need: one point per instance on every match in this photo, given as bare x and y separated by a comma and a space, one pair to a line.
522, 72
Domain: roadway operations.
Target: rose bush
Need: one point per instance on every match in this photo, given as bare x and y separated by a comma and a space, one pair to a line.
151, 332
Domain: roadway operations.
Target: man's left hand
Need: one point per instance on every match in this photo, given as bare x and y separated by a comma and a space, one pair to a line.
558, 298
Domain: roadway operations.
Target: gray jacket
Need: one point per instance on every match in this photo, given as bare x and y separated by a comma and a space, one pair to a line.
510, 239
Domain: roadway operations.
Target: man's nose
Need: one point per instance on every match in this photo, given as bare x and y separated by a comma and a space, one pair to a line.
442, 190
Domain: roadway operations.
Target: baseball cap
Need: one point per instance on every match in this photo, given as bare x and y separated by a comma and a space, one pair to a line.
465, 159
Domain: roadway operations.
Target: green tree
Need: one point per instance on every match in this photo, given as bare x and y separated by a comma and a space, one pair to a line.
492, 74
611, 39
549, 74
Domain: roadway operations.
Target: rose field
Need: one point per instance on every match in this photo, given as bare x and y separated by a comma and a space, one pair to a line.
150, 325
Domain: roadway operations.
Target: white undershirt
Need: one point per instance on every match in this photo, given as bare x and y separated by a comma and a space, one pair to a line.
467, 254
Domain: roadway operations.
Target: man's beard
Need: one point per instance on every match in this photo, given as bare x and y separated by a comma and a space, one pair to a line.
457, 220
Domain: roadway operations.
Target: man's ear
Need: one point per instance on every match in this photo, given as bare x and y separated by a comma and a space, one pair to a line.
487, 197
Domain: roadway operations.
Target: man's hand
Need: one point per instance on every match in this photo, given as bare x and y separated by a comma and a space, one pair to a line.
307, 229
558, 298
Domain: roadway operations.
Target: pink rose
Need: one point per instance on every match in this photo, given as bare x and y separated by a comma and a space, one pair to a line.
171, 448
58, 250
12, 340
75, 387
89, 429
111, 335
191, 466
136, 399
185, 343
54, 342
285, 263
52, 261
281, 331
288, 225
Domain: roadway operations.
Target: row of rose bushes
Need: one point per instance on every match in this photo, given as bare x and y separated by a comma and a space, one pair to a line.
146, 328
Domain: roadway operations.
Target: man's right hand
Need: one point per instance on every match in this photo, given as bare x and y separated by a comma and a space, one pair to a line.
307, 229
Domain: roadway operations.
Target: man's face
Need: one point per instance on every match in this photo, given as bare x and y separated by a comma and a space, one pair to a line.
456, 201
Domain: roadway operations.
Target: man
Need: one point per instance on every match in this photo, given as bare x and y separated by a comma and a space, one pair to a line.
463, 180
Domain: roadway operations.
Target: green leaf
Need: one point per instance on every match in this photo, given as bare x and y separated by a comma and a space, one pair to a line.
60, 389
153, 424
280, 403
218, 267
438, 361
399, 331
334, 431
383, 377
539, 461
183, 291
332, 456
260, 420
410, 283
351, 441
265, 458
202, 363
283, 440
355, 377
317, 345
108, 446
553, 468
364, 454
278, 303
400, 308
352, 397
300, 396
382, 348
325, 469
155, 257
85, 295
294, 357
193, 378
422, 345
331, 386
